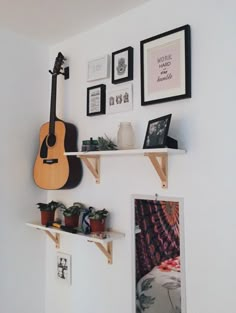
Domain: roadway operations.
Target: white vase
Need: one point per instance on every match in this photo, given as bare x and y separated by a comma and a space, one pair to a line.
125, 136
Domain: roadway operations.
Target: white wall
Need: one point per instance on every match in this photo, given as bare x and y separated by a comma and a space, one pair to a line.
23, 96
204, 177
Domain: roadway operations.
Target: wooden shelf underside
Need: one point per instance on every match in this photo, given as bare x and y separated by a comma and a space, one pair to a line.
157, 157
105, 245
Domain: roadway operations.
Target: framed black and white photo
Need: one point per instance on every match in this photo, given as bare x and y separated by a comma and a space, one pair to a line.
96, 100
64, 267
157, 131
98, 68
119, 99
122, 65
166, 66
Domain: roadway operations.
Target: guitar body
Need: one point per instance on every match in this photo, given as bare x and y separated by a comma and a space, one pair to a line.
53, 169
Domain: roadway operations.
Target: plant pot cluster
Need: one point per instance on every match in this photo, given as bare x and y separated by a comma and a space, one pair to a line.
71, 214
96, 218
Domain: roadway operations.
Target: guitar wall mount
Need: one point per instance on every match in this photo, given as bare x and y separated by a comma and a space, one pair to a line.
66, 72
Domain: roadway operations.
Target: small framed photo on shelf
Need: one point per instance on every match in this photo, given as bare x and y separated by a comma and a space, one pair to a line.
98, 68
157, 131
122, 65
119, 99
64, 267
96, 100
166, 66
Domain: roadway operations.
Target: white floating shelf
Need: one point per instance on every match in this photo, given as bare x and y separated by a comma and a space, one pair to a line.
127, 152
104, 244
158, 158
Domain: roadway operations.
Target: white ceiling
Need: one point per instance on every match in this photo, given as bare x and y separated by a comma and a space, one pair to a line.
52, 21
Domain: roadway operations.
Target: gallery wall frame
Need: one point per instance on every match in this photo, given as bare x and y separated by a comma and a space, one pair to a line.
122, 65
98, 68
119, 99
135, 231
96, 100
64, 270
166, 66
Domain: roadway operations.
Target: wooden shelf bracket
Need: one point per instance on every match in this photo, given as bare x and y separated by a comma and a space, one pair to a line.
104, 242
160, 163
55, 239
93, 164
106, 250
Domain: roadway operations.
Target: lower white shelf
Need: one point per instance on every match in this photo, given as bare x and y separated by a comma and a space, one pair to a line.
103, 241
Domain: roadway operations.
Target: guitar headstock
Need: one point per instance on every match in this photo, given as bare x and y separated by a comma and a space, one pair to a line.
58, 63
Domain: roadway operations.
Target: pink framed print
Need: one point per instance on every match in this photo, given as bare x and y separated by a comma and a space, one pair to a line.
166, 66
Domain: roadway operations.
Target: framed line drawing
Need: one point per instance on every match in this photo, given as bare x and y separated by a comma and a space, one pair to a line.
96, 100
119, 99
98, 68
166, 66
64, 267
122, 65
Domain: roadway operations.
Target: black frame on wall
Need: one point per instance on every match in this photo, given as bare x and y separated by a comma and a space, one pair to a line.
130, 65
163, 72
96, 103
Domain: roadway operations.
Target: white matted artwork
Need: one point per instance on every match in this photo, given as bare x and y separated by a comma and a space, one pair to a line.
64, 267
98, 68
119, 99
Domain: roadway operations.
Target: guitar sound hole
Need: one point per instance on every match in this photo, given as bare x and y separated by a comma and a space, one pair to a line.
51, 140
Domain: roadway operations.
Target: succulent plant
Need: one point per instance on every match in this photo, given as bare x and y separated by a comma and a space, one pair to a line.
51, 206
75, 209
106, 144
98, 214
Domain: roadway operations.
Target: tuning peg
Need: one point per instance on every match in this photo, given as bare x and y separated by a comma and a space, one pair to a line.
50, 72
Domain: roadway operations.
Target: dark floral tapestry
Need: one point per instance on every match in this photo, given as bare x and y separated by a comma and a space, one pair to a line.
158, 239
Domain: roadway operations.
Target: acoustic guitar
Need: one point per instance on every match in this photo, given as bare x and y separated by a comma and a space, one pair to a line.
53, 169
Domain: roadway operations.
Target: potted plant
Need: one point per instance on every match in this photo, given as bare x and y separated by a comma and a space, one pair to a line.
48, 211
71, 214
97, 219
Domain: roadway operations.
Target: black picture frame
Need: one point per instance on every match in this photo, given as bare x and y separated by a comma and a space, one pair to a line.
157, 131
166, 66
96, 100
122, 65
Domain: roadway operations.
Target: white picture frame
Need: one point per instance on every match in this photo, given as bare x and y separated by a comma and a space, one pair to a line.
136, 232
63, 267
119, 99
98, 68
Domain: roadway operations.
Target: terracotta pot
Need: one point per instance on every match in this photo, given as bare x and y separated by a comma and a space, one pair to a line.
47, 217
97, 225
72, 221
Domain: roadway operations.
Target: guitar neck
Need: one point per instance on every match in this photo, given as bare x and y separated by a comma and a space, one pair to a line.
53, 105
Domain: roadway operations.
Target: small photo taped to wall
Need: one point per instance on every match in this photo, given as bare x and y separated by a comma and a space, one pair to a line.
64, 267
